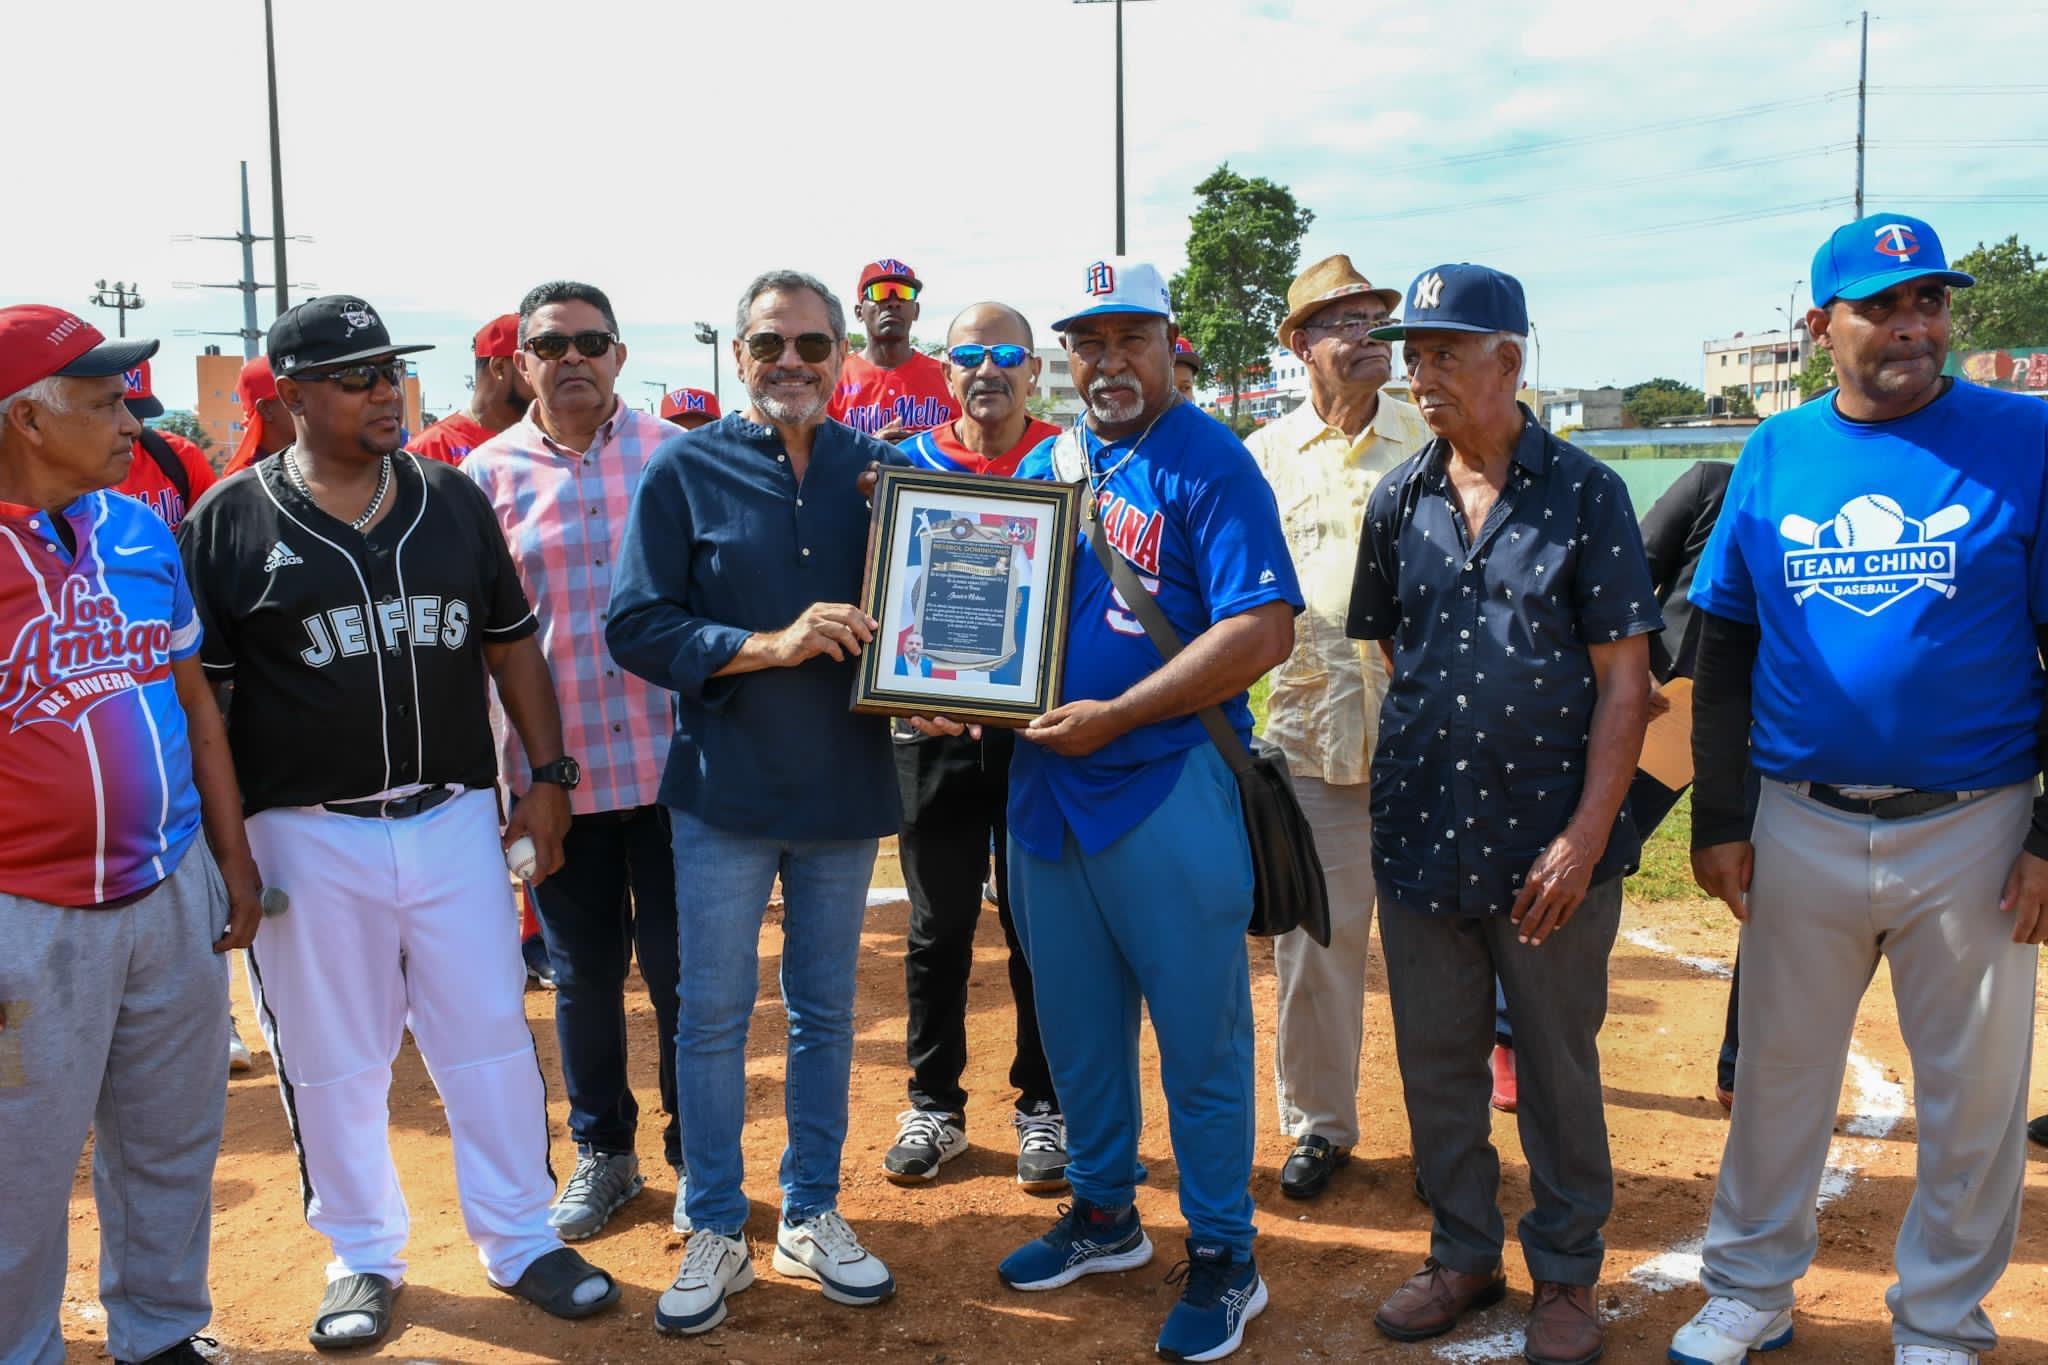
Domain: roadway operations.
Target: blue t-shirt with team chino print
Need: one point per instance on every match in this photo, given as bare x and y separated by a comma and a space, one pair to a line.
1899, 570
1187, 507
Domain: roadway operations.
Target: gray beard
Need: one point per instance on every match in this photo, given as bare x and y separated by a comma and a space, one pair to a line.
790, 414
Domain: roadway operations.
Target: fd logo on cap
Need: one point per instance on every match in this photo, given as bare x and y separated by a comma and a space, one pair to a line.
1428, 290
1101, 278
1897, 240
358, 316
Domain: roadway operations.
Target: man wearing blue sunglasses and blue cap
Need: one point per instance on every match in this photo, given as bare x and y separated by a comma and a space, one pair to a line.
1502, 572
1876, 599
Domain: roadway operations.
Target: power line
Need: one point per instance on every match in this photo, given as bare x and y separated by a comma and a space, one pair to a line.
1957, 89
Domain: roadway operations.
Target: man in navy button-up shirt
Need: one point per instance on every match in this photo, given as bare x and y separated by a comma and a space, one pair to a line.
1505, 569
740, 565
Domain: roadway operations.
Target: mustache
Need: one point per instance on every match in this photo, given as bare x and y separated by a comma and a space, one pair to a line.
982, 386
781, 376
1113, 384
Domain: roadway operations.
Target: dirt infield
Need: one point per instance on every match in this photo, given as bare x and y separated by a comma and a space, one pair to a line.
1328, 1263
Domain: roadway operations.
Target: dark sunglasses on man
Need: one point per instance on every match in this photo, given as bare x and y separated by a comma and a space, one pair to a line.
357, 378
811, 347
555, 345
1006, 356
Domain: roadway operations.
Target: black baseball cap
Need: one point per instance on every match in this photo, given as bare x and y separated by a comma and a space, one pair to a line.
334, 329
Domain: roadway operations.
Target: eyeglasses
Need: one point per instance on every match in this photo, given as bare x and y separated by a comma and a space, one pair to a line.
358, 378
1006, 357
1351, 329
883, 290
811, 347
555, 345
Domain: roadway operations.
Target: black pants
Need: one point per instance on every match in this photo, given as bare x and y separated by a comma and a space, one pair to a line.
955, 792
593, 928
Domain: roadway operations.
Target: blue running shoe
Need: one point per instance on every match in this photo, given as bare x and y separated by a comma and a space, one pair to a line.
1087, 1240
1219, 1294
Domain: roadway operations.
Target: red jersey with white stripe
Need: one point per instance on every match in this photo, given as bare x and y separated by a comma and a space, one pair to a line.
148, 484
96, 794
870, 398
451, 439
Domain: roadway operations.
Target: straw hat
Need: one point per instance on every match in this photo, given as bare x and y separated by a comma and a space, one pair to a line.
1333, 277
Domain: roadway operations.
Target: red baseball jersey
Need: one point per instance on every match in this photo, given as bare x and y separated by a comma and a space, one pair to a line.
870, 398
451, 439
148, 484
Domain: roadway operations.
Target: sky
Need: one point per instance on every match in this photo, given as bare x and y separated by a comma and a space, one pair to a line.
1656, 174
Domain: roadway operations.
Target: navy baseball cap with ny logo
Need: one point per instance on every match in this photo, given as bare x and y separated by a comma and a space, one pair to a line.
1460, 298
1872, 254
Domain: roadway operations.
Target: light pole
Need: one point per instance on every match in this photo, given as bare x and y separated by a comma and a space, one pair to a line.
1791, 345
661, 392
1119, 116
119, 296
708, 335
277, 237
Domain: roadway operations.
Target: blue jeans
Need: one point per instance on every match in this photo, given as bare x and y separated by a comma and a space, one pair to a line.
1157, 918
722, 885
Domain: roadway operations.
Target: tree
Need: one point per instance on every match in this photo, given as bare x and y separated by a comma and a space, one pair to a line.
2009, 306
1740, 403
1244, 246
1816, 376
185, 424
1654, 399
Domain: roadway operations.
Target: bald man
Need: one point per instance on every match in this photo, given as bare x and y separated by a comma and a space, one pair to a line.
955, 789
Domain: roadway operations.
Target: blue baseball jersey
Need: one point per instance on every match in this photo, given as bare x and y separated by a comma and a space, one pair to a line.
1897, 571
1194, 517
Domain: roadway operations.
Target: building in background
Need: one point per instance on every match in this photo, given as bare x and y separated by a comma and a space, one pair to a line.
1056, 383
1581, 409
1765, 365
220, 413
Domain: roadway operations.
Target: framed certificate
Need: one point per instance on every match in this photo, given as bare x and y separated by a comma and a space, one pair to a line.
968, 575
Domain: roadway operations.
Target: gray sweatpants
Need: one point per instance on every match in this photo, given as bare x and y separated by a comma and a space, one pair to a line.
116, 1024
1440, 975
1831, 893
1320, 991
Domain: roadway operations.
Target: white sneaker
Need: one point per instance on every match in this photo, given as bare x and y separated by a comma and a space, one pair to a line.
1932, 1355
1727, 1330
681, 1221
239, 1056
713, 1268
823, 1248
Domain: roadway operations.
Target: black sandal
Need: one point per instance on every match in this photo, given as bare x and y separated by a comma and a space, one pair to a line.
371, 1295
549, 1284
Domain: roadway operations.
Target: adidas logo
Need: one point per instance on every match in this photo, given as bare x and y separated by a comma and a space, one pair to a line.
279, 556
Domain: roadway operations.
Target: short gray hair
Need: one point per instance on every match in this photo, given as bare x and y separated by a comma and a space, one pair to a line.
47, 393
788, 282
1494, 339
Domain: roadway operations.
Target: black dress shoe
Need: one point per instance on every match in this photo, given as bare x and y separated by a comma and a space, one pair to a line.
2038, 1130
1310, 1166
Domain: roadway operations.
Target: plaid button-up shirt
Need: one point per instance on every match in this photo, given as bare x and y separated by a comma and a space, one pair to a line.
563, 513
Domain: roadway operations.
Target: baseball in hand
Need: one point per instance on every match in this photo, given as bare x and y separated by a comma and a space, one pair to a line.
520, 858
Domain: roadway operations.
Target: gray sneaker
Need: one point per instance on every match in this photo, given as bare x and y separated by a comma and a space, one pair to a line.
602, 1183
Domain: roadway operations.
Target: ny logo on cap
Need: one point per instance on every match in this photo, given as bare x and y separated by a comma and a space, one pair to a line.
358, 316
1428, 290
1897, 240
1101, 278
133, 379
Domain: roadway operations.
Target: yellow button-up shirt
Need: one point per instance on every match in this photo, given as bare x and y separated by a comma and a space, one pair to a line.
1324, 711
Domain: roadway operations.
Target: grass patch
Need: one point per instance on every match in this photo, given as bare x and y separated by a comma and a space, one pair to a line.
1261, 690
1666, 873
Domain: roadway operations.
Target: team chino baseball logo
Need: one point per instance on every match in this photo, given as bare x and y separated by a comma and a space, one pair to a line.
1872, 554
77, 654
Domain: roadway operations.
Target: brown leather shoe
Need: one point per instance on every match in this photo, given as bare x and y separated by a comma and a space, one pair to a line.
1564, 1326
1433, 1300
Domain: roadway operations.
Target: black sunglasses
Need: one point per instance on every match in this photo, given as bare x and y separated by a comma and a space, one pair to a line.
358, 378
555, 345
811, 347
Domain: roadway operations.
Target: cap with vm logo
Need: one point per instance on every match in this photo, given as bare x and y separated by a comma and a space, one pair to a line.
1872, 254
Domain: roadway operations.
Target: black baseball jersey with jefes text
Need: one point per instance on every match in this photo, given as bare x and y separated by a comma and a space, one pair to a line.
357, 657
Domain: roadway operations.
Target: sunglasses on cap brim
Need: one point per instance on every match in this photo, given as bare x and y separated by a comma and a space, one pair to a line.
1006, 356
881, 291
357, 378
811, 347
555, 345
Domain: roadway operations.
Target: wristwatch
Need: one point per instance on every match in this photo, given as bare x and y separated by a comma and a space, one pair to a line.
565, 773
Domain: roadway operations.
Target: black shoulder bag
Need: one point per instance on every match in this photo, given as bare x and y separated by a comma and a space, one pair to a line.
1288, 891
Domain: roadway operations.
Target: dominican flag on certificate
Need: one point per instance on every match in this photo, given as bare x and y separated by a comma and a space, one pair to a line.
1021, 535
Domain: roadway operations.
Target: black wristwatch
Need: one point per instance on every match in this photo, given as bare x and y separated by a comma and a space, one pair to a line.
565, 773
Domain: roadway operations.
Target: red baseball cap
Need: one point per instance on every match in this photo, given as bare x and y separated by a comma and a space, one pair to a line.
888, 268
689, 402
499, 337
142, 400
255, 383
38, 341
1184, 353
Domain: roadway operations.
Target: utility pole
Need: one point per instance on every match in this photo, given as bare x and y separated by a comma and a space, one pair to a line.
708, 335
661, 391
247, 287
119, 296
277, 237
1119, 116
1862, 100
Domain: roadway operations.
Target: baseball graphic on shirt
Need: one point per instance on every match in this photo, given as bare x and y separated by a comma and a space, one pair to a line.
1870, 522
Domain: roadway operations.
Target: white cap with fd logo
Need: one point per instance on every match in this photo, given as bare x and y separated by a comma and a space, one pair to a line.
1119, 284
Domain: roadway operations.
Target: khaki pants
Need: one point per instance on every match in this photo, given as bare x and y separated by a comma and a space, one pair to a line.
1321, 991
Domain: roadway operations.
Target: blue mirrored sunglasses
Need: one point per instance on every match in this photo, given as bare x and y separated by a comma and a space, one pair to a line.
1005, 357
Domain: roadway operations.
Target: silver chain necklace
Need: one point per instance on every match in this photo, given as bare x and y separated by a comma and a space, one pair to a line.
291, 467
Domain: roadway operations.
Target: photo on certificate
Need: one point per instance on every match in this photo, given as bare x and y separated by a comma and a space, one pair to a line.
968, 575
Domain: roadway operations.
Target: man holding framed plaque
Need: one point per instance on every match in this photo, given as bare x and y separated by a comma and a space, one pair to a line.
1127, 843
955, 789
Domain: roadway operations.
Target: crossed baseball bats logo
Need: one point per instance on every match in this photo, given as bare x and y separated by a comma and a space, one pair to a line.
1807, 532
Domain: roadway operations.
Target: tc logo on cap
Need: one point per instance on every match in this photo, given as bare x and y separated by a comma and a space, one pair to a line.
1428, 290
1101, 278
1897, 240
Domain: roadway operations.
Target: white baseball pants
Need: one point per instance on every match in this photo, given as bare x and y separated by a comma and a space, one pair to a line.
398, 924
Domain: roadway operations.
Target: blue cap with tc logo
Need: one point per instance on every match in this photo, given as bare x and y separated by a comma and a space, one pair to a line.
1460, 298
1872, 254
